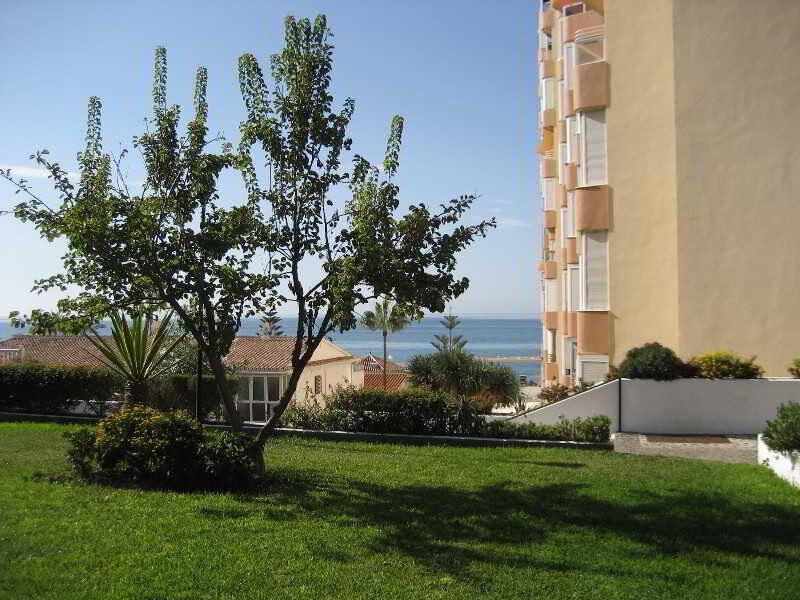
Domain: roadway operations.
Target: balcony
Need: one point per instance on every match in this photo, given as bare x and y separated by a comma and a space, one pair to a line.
550, 319
592, 332
546, 144
548, 118
547, 19
550, 269
549, 219
572, 324
567, 108
572, 251
574, 23
591, 86
546, 69
592, 209
548, 166
570, 176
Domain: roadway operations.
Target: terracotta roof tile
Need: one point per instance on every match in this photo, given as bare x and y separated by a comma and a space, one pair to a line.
374, 380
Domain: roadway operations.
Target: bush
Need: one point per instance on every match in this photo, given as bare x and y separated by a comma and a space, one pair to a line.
177, 392
592, 429
53, 389
726, 365
794, 368
553, 393
653, 361
413, 411
141, 446
783, 433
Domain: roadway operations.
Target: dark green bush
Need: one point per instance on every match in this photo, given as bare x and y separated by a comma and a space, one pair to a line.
229, 460
553, 393
726, 365
413, 411
177, 392
783, 433
53, 389
592, 429
653, 361
141, 446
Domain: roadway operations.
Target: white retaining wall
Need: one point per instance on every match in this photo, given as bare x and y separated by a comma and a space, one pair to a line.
683, 406
785, 465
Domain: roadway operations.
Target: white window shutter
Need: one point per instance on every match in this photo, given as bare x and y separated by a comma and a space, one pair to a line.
551, 294
574, 288
595, 147
571, 214
593, 371
596, 270
549, 193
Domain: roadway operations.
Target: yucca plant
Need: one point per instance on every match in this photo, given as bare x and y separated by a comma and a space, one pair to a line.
136, 355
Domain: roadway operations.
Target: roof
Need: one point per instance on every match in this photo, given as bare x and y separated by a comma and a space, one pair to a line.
373, 380
373, 363
251, 353
274, 354
66, 350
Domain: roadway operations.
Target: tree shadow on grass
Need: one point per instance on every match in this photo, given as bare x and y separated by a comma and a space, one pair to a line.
450, 530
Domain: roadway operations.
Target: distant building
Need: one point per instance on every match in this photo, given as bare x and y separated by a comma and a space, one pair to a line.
670, 180
373, 367
263, 366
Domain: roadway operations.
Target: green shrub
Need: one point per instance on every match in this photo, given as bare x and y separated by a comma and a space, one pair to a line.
177, 392
592, 429
726, 365
53, 389
141, 446
229, 460
783, 433
794, 368
413, 411
653, 361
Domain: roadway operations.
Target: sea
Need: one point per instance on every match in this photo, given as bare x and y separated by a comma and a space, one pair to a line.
487, 336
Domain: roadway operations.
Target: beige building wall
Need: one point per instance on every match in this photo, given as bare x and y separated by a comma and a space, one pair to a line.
333, 374
737, 91
643, 241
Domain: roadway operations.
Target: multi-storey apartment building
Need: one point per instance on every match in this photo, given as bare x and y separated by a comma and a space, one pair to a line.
670, 178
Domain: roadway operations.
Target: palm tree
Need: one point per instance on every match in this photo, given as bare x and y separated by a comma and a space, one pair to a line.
388, 318
136, 355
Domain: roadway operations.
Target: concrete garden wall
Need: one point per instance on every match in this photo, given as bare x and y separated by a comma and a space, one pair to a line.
785, 465
683, 406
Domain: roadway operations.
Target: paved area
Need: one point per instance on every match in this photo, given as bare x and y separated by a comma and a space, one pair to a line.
732, 448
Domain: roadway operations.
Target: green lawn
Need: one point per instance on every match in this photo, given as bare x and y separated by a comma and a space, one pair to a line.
355, 520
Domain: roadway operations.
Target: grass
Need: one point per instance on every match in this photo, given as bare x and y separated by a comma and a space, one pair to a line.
358, 520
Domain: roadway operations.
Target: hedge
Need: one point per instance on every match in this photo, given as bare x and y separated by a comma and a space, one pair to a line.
177, 392
53, 389
590, 429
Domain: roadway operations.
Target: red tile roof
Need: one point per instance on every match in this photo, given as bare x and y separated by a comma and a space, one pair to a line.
253, 353
373, 380
373, 363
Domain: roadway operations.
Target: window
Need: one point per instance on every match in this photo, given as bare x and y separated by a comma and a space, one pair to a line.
593, 152
551, 295
573, 288
589, 50
592, 369
562, 153
548, 93
594, 270
570, 356
562, 87
549, 193
573, 9
569, 64
563, 227
257, 396
571, 232
317, 384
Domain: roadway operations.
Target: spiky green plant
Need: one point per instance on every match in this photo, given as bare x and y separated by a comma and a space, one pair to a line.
387, 318
137, 355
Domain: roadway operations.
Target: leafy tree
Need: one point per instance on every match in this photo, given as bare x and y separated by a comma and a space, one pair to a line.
447, 342
365, 250
42, 322
387, 318
269, 325
168, 243
137, 354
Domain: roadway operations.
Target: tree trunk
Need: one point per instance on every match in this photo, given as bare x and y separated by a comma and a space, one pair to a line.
222, 387
385, 335
136, 393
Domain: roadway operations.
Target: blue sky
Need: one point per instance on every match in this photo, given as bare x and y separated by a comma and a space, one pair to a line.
461, 72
